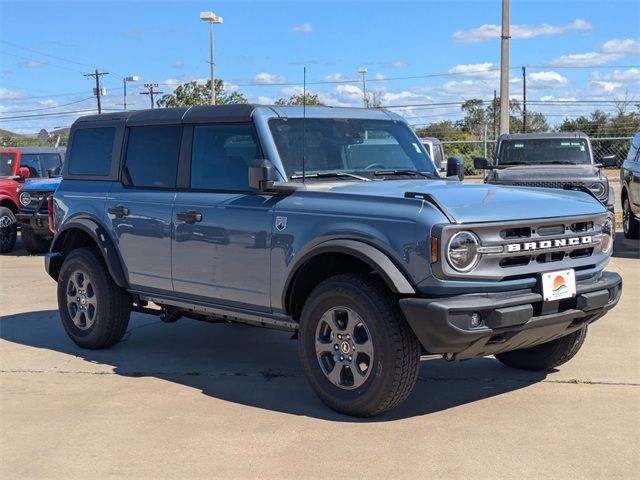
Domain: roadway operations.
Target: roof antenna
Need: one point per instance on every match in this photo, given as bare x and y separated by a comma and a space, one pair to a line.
304, 119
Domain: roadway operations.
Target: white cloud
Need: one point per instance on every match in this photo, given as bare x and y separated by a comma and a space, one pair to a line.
265, 78
398, 64
547, 79
6, 94
607, 87
380, 77
339, 77
610, 51
34, 63
626, 46
630, 75
488, 32
134, 32
480, 70
302, 28
177, 64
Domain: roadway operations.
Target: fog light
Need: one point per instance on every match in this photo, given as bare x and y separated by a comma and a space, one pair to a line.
476, 320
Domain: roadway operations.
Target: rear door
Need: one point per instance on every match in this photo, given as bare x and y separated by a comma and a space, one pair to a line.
139, 205
222, 228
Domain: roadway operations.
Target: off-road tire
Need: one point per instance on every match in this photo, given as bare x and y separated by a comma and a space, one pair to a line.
8, 230
32, 243
630, 223
547, 355
112, 303
396, 350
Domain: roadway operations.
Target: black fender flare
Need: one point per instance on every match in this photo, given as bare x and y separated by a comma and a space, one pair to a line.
102, 240
372, 256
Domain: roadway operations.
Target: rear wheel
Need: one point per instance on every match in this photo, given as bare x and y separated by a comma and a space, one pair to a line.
94, 310
34, 243
630, 223
8, 230
355, 346
547, 355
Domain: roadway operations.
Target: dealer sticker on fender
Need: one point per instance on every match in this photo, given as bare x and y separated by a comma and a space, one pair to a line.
558, 285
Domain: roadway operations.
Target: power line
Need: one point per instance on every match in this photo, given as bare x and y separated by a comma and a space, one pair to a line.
151, 91
97, 92
49, 108
47, 54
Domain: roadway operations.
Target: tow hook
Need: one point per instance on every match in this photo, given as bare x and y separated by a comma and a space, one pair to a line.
170, 315
449, 357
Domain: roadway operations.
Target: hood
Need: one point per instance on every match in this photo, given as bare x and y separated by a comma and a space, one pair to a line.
48, 184
8, 185
471, 202
551, 173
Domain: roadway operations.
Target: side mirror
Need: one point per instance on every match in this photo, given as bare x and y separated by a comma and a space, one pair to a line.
455, 168
24, 172
608, 160
262, 174
480, 163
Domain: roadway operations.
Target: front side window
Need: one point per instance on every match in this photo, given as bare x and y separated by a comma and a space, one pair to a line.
221, 155
7, 161
354, 146
152, 156
91, 151
32, 162
545, 151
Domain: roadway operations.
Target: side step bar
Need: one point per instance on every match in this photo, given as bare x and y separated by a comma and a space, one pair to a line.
279, 322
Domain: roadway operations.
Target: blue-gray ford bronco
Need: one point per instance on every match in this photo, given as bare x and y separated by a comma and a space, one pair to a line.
332, 223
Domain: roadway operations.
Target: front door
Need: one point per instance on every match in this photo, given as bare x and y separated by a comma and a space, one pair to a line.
222, 229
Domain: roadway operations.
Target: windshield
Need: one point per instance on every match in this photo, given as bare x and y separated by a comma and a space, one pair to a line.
545, 151
361, 147
6, 164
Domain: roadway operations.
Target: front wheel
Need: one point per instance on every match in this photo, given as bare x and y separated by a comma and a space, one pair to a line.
94, 310
546, 355
355, 346
630, 223
8, 230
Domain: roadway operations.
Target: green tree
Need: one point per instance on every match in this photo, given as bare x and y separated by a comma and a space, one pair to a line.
475, 117
311, 99
194, 93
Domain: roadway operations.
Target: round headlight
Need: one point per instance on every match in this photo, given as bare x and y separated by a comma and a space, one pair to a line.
462, 251
598, 189
607, 235
25, 199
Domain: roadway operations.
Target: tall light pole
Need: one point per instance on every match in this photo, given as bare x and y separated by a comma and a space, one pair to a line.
365, 100
504, 70
133, 78
211, 18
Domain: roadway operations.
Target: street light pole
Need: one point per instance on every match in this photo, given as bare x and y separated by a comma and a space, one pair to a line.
211, 18
133, 78
365, 100
504, 70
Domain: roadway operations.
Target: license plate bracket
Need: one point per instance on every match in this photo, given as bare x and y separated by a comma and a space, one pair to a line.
558, 285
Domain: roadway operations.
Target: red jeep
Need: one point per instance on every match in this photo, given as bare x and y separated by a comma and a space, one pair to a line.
16, 165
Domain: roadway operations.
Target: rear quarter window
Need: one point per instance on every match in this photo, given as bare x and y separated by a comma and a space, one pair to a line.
91, 151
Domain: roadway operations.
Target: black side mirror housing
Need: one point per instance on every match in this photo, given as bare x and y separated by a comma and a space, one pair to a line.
608, 160
262, 175
480, 163
455, 167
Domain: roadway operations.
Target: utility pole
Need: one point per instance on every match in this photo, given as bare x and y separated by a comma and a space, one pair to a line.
97, 91
524, 99
365, 99
504, 70
495, 107
151, 91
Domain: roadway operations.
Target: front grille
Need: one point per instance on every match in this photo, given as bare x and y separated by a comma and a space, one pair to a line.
545, 184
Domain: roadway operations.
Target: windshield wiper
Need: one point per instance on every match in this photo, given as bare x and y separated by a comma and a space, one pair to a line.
330, 175
405, 172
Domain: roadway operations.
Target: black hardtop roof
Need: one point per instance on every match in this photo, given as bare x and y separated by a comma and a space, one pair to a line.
529, 136
195, 114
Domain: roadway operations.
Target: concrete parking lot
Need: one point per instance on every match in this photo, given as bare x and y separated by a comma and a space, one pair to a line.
191, 399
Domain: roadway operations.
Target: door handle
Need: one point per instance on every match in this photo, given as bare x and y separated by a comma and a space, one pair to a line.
190, 216
119, 211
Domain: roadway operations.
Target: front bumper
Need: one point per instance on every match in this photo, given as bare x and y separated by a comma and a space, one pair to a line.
37, 222
510, 320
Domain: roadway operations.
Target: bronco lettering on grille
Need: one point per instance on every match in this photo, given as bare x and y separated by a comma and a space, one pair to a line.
560, 242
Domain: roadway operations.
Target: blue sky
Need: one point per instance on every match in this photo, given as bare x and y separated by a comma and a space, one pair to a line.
422, 53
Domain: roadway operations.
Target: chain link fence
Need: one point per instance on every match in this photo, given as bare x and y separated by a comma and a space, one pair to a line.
467, 150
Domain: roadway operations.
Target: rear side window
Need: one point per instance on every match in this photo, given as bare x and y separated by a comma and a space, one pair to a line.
91, 151
32, 162
52, 163
152, 156
6, 164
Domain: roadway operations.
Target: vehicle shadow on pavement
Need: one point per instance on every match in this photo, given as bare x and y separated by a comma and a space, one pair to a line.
241, 364
625, 247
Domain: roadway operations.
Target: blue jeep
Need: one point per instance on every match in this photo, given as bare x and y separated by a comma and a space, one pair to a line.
328, 222
33, 213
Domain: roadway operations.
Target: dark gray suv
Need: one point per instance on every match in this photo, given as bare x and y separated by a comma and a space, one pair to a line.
630, 190
331, 223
